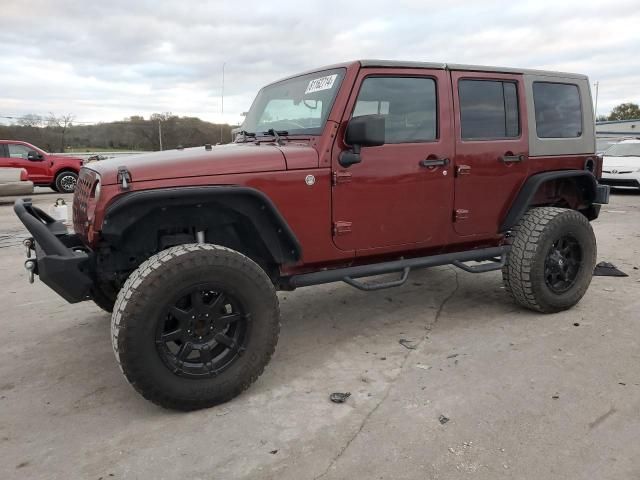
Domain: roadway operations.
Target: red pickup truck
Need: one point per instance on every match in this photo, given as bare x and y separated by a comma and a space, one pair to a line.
59, 172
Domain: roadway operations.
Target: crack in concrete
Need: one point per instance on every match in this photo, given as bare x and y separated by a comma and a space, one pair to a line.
449, 297
335, 459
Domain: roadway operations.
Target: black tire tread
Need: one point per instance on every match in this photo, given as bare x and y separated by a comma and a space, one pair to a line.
525, 240
130, 300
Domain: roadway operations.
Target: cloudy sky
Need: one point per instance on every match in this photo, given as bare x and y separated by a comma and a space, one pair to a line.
107, 60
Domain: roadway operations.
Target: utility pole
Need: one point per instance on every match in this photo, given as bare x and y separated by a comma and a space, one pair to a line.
595, 113
160, 133
222, 102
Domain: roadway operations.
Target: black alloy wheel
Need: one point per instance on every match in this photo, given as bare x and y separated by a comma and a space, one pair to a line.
563, 264
203, 331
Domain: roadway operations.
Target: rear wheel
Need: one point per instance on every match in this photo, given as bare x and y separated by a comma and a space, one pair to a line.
195, 325
550, 265
66, 181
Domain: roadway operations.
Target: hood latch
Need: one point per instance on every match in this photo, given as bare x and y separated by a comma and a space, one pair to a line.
124, 178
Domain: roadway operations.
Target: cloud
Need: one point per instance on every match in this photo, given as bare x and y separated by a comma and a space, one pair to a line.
108, 60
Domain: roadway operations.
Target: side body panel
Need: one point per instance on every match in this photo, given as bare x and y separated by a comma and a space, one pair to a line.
389, 202
306, 208
485, 184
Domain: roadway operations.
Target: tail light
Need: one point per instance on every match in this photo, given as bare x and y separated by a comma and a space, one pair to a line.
24, 176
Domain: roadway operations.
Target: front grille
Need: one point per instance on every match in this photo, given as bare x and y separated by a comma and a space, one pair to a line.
620, 182
86, 179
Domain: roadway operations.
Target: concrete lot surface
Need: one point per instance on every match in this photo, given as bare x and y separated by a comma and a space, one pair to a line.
527, 396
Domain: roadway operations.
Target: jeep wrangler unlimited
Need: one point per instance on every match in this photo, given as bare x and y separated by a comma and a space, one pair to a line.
345, 172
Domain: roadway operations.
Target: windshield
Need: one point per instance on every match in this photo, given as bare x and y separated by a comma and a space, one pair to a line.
299, 105
631, 149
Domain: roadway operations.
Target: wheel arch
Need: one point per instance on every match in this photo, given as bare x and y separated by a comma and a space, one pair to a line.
66, 168
220, 211
575, 189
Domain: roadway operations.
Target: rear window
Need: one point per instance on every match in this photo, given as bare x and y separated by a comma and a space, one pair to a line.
488, 109
558, 110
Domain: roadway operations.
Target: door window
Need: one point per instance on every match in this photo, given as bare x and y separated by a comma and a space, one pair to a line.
488, 109
558, 110
18, 151
408, 104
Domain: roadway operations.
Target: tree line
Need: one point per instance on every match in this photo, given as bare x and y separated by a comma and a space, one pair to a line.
60, 133
624, 111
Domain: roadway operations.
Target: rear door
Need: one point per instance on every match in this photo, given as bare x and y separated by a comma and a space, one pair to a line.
491, 148
391, 199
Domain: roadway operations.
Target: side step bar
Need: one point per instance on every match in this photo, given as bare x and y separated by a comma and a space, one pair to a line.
496, 256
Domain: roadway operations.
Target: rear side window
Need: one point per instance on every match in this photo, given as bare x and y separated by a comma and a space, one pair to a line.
488, 109
408, 104
558, 110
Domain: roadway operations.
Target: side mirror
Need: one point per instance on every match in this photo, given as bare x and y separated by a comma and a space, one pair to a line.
364, 131
34, 156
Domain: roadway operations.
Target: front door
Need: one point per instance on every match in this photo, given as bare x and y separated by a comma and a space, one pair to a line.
393, 199
37, 169
491, 161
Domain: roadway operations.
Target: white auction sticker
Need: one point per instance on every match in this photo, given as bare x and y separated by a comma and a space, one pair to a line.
322, 83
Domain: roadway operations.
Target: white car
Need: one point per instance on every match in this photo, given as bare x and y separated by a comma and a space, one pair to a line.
621, 165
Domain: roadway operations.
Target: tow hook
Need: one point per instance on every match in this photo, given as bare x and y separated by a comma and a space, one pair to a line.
28, 244
30, 265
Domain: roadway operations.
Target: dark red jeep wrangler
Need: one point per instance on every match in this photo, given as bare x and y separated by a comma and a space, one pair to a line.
349, 171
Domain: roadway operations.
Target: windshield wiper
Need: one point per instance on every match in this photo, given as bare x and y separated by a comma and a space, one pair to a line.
276, 134
245, 135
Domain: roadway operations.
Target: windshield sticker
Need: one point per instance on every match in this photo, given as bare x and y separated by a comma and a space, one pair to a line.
322, 83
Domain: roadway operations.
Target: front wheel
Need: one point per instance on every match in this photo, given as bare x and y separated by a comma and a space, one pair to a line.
195, 325
550, 265
66, 181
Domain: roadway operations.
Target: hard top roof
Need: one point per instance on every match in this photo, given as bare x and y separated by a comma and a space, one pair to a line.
440, 66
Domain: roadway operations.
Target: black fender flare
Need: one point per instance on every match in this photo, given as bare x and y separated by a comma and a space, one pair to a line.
533, 183
248, 202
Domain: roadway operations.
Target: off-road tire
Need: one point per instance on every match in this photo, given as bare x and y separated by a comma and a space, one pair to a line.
61, 182
531, 241
139, 306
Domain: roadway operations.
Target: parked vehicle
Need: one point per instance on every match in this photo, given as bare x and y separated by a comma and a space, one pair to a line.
349, 171
14, 181
621, 165
59, 172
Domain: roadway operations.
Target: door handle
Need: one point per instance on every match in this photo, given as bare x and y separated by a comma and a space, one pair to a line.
435, 162
512, 158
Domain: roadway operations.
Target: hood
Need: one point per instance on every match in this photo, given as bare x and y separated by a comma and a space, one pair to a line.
57, 156
628, 163
194, 162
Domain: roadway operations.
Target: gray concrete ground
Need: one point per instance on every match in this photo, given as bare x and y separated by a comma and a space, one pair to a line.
527, 396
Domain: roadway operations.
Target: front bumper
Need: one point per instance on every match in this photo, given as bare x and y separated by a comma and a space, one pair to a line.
624, 180
62, 262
